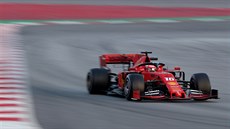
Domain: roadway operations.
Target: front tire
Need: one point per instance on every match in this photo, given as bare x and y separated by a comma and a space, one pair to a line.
97, 80
200, 81
133, 82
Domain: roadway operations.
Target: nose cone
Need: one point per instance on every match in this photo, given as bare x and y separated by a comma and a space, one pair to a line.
178, 94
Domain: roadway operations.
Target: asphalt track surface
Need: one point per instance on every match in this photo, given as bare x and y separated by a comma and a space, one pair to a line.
59, 57
163, 3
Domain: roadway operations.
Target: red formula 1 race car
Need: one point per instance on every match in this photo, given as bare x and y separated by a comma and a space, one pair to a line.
143, 78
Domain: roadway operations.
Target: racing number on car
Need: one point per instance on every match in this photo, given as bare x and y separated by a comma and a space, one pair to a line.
169, 79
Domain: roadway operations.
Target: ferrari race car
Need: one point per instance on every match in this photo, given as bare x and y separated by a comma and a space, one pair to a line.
142, 77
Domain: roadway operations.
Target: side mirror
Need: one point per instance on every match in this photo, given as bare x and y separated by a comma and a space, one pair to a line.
161, 64
153, 58
177, 68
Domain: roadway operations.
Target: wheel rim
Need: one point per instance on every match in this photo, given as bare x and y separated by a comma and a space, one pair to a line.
127, 87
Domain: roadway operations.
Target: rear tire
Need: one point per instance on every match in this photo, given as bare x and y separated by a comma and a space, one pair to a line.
97, 81
133, 82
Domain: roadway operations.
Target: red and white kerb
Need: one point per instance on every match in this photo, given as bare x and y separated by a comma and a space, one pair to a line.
15, 99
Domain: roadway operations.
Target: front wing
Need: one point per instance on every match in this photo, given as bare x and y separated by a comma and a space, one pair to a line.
191, 94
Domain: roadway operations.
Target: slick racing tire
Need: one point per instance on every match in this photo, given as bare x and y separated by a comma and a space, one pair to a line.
97, 80
200, 81
133, 82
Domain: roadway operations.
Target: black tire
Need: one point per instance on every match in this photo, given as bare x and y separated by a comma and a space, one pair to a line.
200, 81
97, 81
133, 82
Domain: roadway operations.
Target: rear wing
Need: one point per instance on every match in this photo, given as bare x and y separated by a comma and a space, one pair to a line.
118, 59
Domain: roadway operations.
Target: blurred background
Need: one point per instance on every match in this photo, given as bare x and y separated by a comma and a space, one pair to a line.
69, 36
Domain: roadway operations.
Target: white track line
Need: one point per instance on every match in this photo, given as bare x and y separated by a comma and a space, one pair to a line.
162, 21
28, 23
13, 102
13, 91
207, 19
11, 76
12, 81
17, 125
109, 21
21, 115
18, 96
11, 65
12, 73
12, 55
19, 109
12, 58
4, 60
65, 22
11, 69
115, 21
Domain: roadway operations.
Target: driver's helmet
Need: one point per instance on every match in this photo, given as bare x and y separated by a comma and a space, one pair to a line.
150, 68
